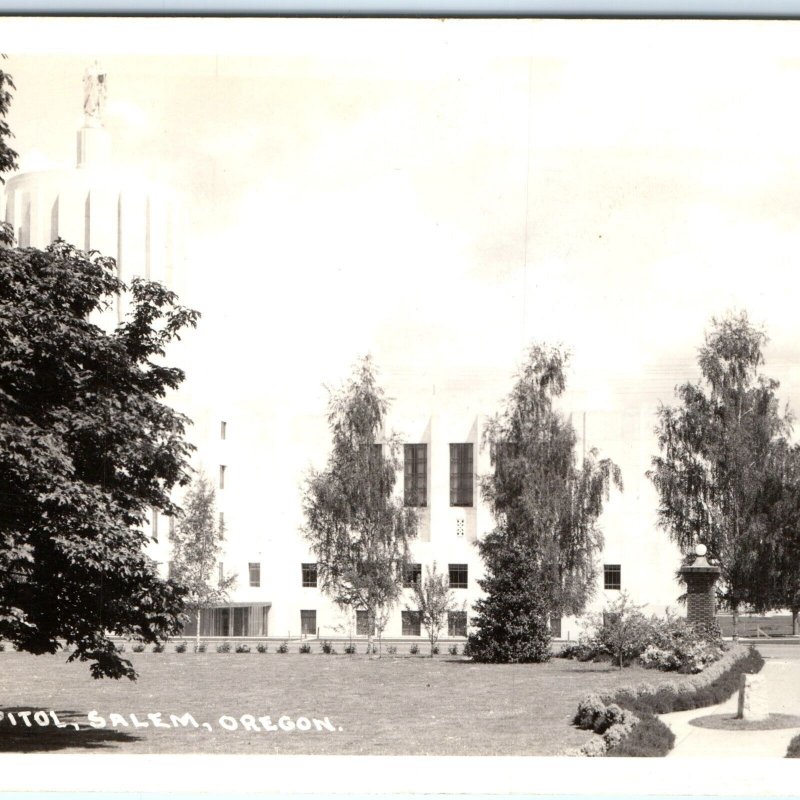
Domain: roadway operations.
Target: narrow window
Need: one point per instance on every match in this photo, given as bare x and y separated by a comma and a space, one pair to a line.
456, 623
220, 573
308, 622
171, 526
461, 474
170, 569
223, 429
309, 575
458, 576
221, 476
221, 524
415, 465
255, 573
411, 623
412, 575
154, 523
612, 576
555, 627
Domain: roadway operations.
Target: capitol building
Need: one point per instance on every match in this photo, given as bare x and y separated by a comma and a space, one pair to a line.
97, 205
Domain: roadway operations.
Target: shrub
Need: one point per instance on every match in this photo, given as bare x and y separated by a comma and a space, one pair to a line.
242, 648
120, 648
650, 737
2, 646
305, 647
350, 649
391, 649
224, 647
328, 648
435, 650
138, 647
414, 649
181, 647
589, 709
261, 647
201, 648
794, 748
453, 649
283, 647
466, 650
158, 648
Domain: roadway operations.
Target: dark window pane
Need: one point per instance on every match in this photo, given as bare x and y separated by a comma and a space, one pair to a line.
308, 623
241, 618
412, 574
415, 460
555, 627
411, 623
362, 624
459, 577
612, 576
309, 575
456, 623
461, 474
255, 574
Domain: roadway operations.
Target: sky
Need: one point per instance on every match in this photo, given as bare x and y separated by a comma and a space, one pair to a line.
442, 193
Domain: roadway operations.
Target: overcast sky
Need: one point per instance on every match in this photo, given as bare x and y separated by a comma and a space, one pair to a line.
442, 193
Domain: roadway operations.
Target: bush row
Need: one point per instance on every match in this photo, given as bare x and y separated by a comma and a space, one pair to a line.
794, 748
650, 736
326, 647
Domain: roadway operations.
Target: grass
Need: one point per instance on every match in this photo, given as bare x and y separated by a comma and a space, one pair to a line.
387, 706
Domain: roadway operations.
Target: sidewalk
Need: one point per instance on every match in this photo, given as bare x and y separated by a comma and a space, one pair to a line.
782, 676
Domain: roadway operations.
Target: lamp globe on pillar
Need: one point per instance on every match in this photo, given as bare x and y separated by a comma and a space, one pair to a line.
700, 577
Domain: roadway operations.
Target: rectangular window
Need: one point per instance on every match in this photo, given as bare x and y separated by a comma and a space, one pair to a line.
308, 623
411, 623
220, 573
456, 623
555, 627
362, 624
459, 577
154, 522
223, 429
461, 474
612, 576
221, 524
309, 572
241, 620
170, 569
221, 476
412, 575
255, 573
415, 461
172, 526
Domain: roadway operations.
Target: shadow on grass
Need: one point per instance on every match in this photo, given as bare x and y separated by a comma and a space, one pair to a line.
38, 737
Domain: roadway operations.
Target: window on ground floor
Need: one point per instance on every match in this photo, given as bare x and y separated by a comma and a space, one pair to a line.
555, 627
612, 576
411, 623
456, 623
308, 622
362, 624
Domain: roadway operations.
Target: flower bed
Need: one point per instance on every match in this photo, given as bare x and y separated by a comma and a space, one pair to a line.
648, 736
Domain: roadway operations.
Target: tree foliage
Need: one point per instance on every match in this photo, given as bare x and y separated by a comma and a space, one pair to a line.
87, 449
726, 475
546, 507
358, 531
196, 547
433, 599
8, 157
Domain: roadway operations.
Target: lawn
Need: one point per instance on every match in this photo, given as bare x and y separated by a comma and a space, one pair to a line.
388, 706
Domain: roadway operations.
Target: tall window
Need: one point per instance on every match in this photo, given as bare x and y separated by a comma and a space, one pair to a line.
154, 522
461, 474
171, 526
458, 576
412, 575
415, 459
220, 573
362, 624
221, 524
309, 572
223, 429
456, 623
411, 623
221, 476
612, 576
255, 573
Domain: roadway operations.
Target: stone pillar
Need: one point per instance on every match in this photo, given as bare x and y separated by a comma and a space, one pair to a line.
700, 578
753, 703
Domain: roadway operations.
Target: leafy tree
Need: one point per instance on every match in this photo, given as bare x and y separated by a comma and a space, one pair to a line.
196, 548
87, 449
545, 506
8, 157
719, 472
433, 599
358, 532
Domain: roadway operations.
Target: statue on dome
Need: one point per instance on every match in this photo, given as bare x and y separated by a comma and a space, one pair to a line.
94, 95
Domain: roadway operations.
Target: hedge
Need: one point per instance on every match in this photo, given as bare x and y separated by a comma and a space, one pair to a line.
649, 736
794, 748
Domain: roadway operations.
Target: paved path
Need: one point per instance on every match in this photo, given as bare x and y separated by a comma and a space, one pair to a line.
782, 676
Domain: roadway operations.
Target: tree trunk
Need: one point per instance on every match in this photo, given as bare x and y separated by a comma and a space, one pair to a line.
795, 612
197, 631
735, 614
